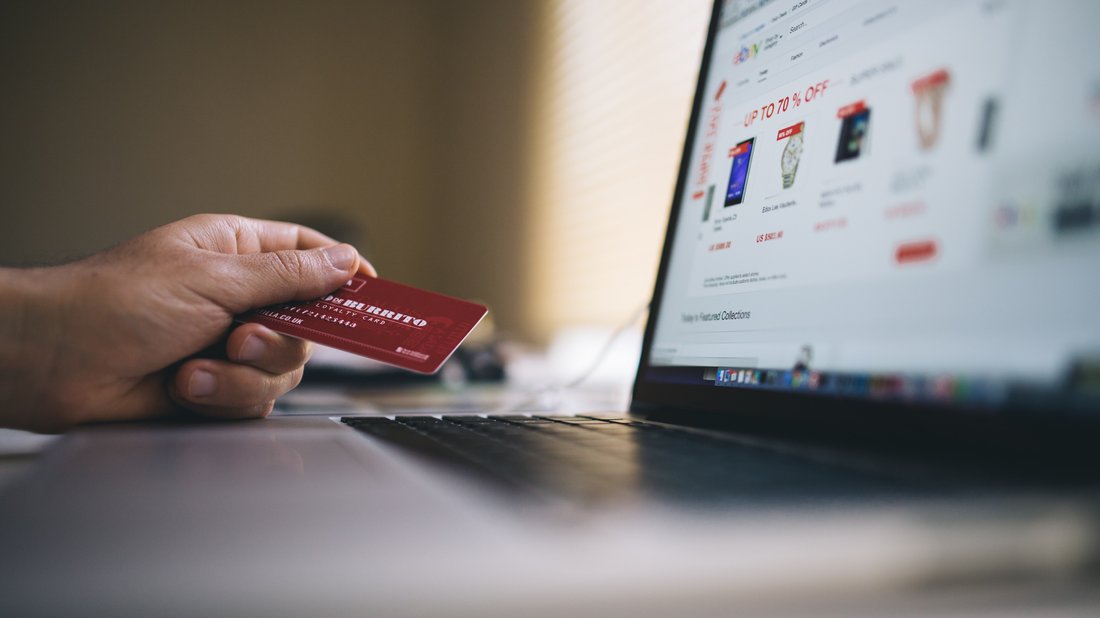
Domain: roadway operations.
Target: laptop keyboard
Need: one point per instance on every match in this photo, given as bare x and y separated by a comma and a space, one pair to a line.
614, 457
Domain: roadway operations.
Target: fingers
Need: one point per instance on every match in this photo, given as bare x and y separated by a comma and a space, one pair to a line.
236, 235
263, 348
366, 268
225, 389
278, 235
260, 279
263, 366
262, 235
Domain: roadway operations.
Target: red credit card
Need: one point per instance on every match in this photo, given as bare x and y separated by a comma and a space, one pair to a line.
397, 324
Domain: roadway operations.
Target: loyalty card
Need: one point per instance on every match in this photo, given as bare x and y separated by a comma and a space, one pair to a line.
397, 324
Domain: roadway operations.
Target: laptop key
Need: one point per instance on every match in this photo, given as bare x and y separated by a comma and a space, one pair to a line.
597, 458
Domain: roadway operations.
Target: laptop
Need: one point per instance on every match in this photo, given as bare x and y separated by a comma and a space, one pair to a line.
870, 378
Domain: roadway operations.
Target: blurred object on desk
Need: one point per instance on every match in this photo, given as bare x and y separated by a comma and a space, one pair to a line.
586, 368
470, 363
18, 452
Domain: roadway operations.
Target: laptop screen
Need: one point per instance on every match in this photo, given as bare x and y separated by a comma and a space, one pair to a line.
890, 200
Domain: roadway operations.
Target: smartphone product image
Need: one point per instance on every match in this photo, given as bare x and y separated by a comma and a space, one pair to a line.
707, 203
853, 134
739, 172
986, 125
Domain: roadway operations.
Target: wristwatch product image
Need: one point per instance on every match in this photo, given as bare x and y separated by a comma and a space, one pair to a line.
929, 92
792, 152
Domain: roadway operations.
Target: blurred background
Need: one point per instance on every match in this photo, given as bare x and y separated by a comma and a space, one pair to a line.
522, 153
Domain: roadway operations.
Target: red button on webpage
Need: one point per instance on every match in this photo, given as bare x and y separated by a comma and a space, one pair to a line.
916, 251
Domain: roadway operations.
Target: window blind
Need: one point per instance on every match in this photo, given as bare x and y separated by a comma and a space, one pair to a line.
612, 98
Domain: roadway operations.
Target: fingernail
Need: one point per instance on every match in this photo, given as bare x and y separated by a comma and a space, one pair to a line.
363, 263
252, 349
202, 384
342, 257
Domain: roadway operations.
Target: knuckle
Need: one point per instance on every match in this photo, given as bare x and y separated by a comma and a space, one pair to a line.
298, 352
296, 378
194, 220
290, 263
204, 220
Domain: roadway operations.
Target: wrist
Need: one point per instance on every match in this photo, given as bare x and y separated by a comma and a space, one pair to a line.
29, 342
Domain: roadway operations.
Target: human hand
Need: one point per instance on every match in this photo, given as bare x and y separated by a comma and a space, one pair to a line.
140, 330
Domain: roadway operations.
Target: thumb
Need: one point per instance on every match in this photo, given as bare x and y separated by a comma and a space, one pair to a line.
261, 279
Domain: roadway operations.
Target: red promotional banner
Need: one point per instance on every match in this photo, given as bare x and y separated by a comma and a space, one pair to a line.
851, 109
932, 80
739, 149
794, 129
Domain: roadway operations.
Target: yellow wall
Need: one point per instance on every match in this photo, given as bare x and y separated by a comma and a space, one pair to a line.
119, 116
419, 126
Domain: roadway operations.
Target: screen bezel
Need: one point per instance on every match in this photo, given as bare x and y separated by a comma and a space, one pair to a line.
795, 412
